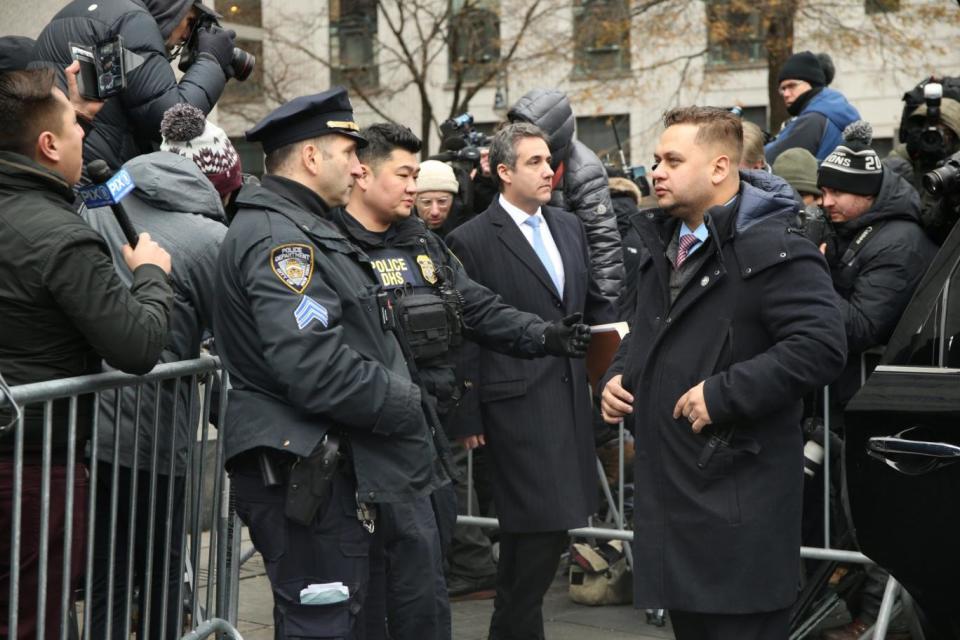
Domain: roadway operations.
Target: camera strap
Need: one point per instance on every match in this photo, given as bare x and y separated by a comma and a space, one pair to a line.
849, 256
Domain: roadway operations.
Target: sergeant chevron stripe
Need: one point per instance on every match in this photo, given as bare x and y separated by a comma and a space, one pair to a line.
309, 310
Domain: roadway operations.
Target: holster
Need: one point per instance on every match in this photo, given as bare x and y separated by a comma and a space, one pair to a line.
310, 480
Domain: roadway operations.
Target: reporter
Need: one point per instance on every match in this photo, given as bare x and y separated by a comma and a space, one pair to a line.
129, 123
63, 309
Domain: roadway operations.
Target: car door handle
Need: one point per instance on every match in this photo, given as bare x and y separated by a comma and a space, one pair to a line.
912, 457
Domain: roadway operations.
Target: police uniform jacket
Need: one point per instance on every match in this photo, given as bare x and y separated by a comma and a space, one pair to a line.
409, 257
298, 325
758, 322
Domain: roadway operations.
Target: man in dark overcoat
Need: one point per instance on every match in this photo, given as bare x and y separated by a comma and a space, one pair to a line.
734, 321
534, 415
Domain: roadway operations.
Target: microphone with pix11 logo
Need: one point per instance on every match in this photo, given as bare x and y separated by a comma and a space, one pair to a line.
108, 190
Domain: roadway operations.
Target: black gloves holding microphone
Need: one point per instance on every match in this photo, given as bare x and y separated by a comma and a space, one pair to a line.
567, 338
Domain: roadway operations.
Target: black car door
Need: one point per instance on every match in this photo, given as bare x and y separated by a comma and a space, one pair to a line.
902, 450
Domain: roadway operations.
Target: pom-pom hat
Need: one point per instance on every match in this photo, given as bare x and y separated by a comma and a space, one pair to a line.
853, 167
187, 132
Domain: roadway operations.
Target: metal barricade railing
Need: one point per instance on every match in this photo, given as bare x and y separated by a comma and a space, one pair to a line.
620, 531
140, 448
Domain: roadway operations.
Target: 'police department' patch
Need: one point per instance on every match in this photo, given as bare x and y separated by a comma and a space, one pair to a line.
293, 264
427, 269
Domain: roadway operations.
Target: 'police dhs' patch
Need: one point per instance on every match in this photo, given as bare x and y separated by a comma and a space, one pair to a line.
293, 264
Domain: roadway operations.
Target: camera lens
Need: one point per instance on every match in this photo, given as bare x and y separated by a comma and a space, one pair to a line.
942, 180
242, 63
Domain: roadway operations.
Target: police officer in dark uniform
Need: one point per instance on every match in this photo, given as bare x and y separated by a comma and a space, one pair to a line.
435, 305
324, 422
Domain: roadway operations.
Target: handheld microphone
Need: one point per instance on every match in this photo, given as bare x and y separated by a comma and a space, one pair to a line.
108, 190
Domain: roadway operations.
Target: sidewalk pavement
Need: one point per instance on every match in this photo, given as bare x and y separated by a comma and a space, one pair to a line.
563, 619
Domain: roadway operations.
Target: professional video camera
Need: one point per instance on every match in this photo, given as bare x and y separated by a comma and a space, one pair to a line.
945, 181
926, 141
461, 143
241, 64
814, 224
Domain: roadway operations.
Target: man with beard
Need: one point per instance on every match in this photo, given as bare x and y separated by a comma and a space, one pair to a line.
736, 323
129, 123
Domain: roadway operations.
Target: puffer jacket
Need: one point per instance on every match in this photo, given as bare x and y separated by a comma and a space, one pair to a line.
129, 123
583, 187
874, 286
818, 127
180, 209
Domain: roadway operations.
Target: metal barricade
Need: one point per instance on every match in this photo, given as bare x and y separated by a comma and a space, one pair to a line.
121, 462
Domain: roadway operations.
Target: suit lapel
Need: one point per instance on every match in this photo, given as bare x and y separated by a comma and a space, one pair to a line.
517, 244
569, 252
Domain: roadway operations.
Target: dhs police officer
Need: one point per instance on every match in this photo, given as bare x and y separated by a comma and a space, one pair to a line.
324, 422
433, 305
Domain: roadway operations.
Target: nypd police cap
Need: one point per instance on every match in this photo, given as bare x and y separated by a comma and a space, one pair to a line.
307, 117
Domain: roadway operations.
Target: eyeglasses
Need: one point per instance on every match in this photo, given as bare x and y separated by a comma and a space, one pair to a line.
788, 86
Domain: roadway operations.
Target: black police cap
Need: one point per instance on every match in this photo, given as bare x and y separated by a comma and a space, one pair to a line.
307, 117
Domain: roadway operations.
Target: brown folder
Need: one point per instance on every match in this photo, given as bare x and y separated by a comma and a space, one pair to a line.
603, 347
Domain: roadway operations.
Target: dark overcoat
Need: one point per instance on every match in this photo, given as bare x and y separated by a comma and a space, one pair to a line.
759, 324
535, 414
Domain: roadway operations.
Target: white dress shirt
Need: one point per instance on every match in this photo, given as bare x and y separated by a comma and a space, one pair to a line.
519, 216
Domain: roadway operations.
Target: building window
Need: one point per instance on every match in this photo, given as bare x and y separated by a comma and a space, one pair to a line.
601, 37
474, 39
734, 33
353, 39
251, 89
597, 132
245, 12
881, 6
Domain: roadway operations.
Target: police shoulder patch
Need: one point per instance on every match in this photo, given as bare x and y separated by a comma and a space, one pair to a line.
293, 264
427, 268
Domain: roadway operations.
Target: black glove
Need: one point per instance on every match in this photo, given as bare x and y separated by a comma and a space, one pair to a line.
568, 337
218, 43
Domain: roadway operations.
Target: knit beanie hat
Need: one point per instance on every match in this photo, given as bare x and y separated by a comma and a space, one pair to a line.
436, 176
853, 167
803, 66
799, 168
187, 132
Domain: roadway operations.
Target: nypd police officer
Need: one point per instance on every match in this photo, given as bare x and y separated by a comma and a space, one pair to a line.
324, 422
434, 305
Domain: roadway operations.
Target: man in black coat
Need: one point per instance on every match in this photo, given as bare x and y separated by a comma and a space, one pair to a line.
534, 415
734, 322
129, 123
579, 183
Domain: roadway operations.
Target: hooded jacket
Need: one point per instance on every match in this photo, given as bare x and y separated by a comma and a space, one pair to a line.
583, 188
875, 284
758, 325
62, 306
179, 207
818, 127
129, 123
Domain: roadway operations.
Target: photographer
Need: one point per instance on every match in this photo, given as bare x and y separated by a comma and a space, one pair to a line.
877, 255
930, 135
129, 123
